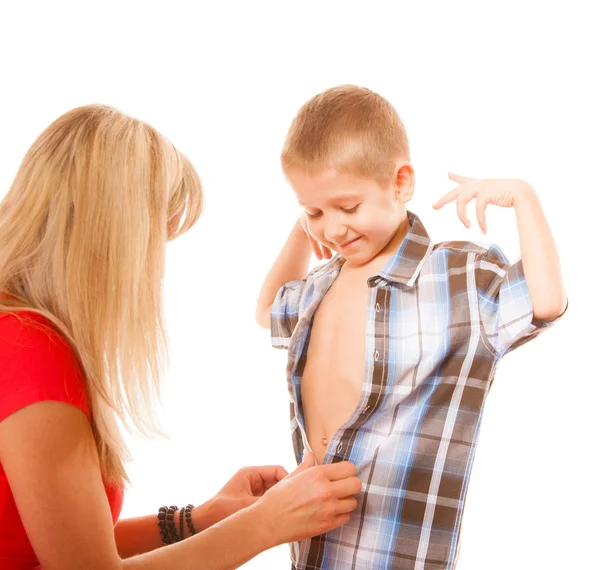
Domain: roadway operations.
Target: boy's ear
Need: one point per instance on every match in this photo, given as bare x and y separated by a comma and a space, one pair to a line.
404, 181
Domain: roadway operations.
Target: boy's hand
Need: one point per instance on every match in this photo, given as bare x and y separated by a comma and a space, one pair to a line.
320, 250
497, 191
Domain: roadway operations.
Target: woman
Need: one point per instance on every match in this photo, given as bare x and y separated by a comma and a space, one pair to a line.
83, 231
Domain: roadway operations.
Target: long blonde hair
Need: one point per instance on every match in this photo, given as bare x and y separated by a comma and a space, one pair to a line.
83, 231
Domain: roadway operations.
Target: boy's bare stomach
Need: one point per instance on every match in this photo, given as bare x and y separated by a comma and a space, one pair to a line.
328, 401
333, 376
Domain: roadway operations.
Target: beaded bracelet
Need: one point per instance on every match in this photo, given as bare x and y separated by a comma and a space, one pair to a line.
166, 526
171, 523
188, 519
181, 533
162, 526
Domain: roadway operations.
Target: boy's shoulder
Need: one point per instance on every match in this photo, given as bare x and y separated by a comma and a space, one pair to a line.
324, 269
487, 261
488, 252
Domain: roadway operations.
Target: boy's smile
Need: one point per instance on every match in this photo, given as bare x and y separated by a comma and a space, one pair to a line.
353, 216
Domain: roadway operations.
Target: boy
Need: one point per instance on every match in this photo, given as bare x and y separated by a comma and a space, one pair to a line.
393, 343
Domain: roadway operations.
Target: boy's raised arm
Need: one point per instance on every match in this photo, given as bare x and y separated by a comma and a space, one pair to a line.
539, 255
291, 264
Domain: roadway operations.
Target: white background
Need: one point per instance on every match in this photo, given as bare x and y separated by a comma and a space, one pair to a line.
485, 90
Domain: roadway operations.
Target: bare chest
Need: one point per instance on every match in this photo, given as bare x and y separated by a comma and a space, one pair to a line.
334, 372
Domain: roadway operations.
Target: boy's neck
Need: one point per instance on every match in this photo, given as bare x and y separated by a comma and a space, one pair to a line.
395, 242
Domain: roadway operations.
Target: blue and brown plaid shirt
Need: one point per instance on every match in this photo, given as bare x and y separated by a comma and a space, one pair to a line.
439, 319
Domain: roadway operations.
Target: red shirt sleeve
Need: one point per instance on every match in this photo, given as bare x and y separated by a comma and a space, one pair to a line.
36, 364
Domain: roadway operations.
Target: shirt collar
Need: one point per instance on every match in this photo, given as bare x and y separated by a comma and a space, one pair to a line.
406, 263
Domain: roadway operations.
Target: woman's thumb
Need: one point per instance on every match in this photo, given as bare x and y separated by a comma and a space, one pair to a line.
308, 461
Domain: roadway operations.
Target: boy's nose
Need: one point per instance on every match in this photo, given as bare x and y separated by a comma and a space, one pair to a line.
335, 232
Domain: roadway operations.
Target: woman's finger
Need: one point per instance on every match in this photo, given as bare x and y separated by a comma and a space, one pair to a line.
271, 473
339, 520
264, 477
346, 505
346, 487
338, 471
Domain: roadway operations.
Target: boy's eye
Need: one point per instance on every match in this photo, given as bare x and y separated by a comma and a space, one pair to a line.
351, 210
313, 214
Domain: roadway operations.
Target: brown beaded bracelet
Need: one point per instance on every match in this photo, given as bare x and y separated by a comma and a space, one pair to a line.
171, 524
188, 519
166, 526
181, 533
162, 526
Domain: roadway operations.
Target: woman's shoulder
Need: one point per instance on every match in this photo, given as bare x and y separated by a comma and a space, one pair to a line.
36, 364
27, 334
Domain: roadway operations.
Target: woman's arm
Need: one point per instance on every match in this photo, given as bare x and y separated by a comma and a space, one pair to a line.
49, 456
226, 545
140, 534
243, 489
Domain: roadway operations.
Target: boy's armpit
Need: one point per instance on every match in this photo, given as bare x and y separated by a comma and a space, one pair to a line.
505, 304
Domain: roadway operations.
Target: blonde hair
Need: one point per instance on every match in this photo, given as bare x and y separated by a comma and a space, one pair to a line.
83, 231
349, 129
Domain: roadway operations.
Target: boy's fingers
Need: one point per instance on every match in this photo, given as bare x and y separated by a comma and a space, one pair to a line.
316, 247
446, 199
461, 211
458, 178
480, 208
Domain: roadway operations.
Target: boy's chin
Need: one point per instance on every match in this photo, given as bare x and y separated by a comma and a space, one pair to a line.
357, 259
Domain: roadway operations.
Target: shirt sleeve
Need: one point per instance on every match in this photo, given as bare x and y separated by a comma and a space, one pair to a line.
505, 303
285, 313
36, 364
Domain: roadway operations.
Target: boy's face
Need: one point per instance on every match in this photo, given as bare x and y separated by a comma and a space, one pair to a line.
353, 216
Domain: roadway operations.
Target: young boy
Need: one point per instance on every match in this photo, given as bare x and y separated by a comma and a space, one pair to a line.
393, 343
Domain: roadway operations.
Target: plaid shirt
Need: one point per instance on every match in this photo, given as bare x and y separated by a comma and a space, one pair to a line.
439, 319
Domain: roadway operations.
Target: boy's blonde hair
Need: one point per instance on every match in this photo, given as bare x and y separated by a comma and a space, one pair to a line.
83, 231
349, 129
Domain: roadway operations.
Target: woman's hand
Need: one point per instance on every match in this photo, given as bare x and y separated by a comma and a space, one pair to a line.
310, 501
242, 490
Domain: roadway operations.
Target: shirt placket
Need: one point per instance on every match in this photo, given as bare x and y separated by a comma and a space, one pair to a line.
298, 351
375, 360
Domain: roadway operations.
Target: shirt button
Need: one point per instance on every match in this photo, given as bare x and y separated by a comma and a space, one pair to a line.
377, 307
340, 447
376, 355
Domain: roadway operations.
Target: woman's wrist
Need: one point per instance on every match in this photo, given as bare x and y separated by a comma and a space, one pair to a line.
206, 515
260, 522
